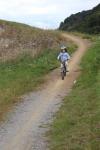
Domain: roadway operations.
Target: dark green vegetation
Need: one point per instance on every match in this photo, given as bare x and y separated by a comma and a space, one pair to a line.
77, 124
86, 21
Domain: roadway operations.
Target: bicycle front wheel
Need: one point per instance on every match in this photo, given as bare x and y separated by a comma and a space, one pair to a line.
62, 75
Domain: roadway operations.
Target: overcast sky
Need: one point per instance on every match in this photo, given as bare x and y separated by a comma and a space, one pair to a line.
42, 13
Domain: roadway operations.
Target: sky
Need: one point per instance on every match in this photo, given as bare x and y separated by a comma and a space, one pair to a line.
42, 13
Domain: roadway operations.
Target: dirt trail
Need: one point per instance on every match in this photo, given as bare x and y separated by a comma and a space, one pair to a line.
25, 126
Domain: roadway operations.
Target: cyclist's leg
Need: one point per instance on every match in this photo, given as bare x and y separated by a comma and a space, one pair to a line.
67, 69
61, 66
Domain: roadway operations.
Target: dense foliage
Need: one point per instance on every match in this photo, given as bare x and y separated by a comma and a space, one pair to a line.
85, 21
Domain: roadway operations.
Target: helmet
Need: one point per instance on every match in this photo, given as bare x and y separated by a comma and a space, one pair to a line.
63, 47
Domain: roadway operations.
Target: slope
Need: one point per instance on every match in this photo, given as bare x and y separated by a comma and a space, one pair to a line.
23, 130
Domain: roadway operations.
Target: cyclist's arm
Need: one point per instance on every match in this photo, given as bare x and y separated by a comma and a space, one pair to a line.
59, 56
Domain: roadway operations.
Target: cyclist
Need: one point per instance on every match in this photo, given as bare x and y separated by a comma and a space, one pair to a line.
63, 57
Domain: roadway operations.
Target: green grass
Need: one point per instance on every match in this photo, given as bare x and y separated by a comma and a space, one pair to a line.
85, 36
24, 74
77, 124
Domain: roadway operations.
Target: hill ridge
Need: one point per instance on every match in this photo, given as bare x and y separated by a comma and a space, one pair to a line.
85, 21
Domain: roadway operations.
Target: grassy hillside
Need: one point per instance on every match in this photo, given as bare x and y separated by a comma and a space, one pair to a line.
27, 55
16, 39
77, 124
85, 21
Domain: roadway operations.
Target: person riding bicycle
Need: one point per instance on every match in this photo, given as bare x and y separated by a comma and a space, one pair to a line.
63, 57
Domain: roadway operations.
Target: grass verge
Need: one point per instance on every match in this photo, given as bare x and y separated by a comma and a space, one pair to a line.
24, 74
77, 126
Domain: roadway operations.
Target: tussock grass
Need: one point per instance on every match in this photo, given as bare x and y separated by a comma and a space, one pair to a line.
16, 38
77, 124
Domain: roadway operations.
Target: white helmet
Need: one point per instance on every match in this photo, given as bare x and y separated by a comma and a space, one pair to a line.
63, 47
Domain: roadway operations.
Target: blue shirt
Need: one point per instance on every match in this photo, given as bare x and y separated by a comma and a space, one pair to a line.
63, 56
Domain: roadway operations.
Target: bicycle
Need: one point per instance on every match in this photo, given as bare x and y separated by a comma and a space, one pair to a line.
63, 70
